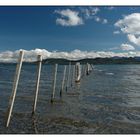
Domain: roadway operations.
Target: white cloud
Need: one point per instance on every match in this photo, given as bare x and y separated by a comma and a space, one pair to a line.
124, 47
116, 32
94, 10
105, 21
127, 47
110, 8
77, 17
69, 18
89, 12
130, 24
101, 20
134, 39
114, 48
12, 56
31, 55
97, 19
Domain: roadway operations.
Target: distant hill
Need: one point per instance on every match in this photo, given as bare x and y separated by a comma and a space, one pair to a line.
113, 60
56, 60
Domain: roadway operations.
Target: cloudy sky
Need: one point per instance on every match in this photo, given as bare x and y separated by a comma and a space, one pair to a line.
69, 32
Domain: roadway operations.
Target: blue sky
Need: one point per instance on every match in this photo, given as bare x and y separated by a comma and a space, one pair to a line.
37, 27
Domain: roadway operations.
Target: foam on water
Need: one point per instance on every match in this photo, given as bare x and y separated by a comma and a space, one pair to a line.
109, 73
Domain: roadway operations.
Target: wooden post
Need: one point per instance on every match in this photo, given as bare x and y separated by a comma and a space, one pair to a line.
73, 75
85, 69
68, 78
82, 71
15, 85
78, 72
54, 83
88, 69
39, 59
92, 67
63, 81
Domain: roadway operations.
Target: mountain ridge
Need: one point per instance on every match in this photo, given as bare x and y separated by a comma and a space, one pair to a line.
98, 60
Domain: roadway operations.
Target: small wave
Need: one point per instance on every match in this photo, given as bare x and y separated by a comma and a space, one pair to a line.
109, 73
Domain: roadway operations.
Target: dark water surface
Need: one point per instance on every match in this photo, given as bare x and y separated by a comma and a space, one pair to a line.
107, 101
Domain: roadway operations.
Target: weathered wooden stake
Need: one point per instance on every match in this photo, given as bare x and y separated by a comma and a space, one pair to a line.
92, 67
82, 71
54, 83
88, 69
39, 58
85, 71
73, 75
15, 85
63, 81
78, 72
68, 78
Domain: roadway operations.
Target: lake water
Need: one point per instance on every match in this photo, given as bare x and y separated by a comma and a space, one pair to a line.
106, 101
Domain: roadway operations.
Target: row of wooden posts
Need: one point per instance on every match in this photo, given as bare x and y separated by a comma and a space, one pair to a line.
76, 76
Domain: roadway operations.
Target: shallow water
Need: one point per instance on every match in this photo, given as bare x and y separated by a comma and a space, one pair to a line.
106, 101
